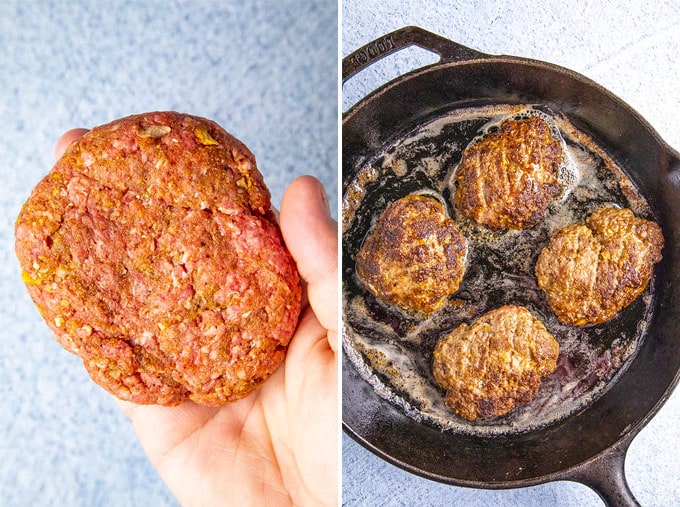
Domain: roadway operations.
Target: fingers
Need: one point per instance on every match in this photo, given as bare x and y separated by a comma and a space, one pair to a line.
311, 235
66, 139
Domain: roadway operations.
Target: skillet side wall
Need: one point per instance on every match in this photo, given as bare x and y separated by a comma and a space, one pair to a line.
628, 404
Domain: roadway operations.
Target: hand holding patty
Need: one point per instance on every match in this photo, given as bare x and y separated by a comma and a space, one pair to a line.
278, 445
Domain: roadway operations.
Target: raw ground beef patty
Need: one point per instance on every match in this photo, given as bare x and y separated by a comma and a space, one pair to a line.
152, 253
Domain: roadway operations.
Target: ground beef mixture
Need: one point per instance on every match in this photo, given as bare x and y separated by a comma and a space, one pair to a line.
152, 253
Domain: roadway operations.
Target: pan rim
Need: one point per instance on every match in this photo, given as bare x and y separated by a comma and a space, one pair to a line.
631, 430
355, 109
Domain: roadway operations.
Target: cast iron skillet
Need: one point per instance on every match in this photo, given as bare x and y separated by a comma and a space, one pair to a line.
590, 446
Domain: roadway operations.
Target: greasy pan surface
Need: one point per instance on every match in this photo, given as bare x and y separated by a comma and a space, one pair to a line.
554, 451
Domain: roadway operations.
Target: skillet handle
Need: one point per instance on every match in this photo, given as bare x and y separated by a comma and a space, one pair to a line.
606, 476
448, 51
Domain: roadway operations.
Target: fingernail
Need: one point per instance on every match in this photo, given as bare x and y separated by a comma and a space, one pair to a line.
324, 199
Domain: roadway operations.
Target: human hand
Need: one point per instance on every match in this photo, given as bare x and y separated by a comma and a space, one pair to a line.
277, 446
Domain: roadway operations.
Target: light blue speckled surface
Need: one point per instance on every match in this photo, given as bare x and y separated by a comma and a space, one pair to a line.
630, 47
265, 70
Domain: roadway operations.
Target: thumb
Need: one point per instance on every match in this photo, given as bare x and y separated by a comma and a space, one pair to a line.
66, 139
311, 236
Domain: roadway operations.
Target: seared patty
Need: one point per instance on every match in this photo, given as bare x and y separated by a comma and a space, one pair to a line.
590, 272
508, 178
415, 255
151, 252
489, 366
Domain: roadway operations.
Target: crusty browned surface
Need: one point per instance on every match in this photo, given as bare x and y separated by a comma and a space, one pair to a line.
497, 361
151, 252
415, 256
590, 272
507, 179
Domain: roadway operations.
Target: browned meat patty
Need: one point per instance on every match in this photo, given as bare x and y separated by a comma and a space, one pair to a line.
508, 178
415, 255
151, 252
590, 272
489, 366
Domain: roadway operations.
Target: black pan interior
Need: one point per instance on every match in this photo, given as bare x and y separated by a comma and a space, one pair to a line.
461, 457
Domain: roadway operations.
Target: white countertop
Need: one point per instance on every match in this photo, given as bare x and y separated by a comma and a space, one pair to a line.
266, 71
631, 48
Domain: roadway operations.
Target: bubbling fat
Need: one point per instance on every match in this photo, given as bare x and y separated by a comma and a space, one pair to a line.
392, 349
